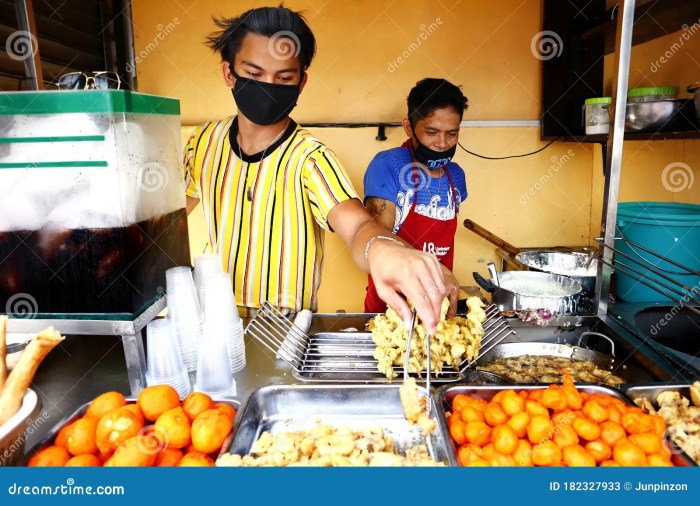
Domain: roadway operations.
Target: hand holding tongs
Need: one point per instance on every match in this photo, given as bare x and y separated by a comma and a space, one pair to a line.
407, 356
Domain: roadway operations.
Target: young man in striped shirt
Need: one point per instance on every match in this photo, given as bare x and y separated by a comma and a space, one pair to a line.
269, 189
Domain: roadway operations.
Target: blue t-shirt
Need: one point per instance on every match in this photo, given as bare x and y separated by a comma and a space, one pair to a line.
390, 177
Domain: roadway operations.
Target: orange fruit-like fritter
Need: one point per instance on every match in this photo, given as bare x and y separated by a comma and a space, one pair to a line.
169, 457
116, 427
174, 427
196, 403
51, 456
156, 400
84, 461
209, 430
82, 437
196, 459
137, 451
103, 404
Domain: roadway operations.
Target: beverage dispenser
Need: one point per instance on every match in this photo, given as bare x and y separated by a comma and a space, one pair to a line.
92, 210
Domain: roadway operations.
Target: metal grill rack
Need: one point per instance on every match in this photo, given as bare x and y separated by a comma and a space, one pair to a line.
348, 357
657, 278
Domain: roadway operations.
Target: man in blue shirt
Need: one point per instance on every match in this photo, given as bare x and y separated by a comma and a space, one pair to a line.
415, 190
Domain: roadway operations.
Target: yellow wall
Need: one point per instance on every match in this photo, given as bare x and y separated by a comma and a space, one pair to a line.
484, 45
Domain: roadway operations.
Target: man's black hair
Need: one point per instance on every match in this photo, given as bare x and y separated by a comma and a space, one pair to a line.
432, 93
288, 25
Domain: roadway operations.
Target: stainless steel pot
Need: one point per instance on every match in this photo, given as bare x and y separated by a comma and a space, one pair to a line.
580, 267
529, 290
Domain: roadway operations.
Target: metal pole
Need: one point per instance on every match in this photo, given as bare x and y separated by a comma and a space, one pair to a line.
32, 60
616, 138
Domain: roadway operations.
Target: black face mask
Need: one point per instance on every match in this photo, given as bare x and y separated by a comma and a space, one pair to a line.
430, 158
264, 103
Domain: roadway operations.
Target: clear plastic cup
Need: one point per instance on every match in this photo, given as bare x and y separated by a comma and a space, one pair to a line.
183, 305
164, 360
205, 266
185, 313
213, 370
235, 348
219, 302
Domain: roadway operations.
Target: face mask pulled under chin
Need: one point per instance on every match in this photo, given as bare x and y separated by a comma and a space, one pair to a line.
264, 103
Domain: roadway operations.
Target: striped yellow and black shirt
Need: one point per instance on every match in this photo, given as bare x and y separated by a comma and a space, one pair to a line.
266, 215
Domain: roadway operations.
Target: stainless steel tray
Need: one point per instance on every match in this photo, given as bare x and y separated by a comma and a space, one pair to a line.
80, 411
348, 357
443, 397
289, 408
650, 391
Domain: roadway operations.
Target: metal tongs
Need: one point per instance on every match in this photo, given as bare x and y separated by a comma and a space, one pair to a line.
407, 357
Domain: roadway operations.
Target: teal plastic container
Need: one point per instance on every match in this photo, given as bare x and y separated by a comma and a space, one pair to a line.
669, 229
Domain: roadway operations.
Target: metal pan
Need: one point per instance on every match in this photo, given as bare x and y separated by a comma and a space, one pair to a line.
606, 362
444, 396
290, 408
580, 267
526, 290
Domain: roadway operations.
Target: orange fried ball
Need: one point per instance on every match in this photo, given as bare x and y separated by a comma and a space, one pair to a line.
103, 404
169, 457
196, 459
84, 461
195, 403
82, 437
116, 427
209, 430
156, 400
51, 456
137, 451
174, 427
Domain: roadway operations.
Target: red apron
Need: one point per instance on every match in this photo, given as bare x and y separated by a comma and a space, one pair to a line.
423, 233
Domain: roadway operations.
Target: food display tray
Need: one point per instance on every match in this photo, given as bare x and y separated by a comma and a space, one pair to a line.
650, 391
444, 395
12, 432
291, 408
80, 412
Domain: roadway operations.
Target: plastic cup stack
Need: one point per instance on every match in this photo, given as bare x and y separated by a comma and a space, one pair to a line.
205, 266
221, 318
185, 313
213, 369
165, 365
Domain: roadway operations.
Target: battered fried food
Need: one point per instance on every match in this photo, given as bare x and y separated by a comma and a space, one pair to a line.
454, 340
328, 446
415, 407
546, 369
682, 418
23, 373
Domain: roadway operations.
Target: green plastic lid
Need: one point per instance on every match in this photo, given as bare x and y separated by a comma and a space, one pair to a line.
652, 90
86, 101
598, 100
